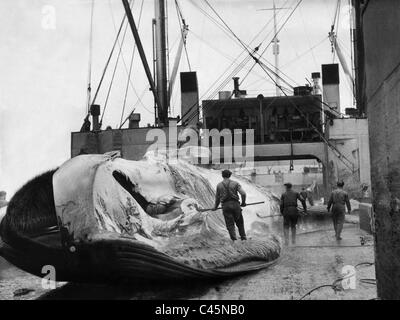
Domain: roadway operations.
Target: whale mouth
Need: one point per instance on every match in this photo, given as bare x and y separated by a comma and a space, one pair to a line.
128, 220
126, 183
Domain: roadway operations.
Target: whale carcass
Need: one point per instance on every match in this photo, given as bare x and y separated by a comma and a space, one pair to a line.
88, 221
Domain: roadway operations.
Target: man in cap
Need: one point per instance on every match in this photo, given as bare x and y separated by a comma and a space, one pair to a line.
289, 211
337, 201
227, 194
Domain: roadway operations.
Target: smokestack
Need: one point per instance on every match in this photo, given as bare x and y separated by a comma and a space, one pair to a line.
236, 90
236, 86
316, 76
95, 113
134, 120
189, 98
330, 85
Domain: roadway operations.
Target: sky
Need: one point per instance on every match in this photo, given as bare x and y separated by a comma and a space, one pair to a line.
44, 63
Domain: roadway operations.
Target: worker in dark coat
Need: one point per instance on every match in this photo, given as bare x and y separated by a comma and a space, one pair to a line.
228, 194
338, 201
290, 212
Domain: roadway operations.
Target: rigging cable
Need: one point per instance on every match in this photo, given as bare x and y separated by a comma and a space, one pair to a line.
167, 53
265, 68
246, 59
134, 108
212, 19
115, 70
277, 33
333, 26
254, 57
130, 70
326, 141
246, 48
219, 88
305, 52
89, 81
139, 97
257, 61
112, 78
108, 60
352, 53
308, 38
254, 38
227, 27
183, 25
229, 58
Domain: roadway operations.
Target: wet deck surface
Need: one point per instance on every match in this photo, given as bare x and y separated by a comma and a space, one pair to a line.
317, 259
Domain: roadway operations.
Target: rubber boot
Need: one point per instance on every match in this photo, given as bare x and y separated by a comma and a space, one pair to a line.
294, 236
286, 235
335, 227
339, 227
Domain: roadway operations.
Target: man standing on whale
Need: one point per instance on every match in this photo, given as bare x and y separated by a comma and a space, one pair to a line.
227, 194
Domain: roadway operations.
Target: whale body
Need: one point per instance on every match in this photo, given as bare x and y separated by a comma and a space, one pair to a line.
84, 220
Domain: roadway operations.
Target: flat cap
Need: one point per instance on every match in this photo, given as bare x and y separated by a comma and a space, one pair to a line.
226, 173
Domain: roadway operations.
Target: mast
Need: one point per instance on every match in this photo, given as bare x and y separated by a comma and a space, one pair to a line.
142, 54
161, 61
275, 48
358, 45
276, 53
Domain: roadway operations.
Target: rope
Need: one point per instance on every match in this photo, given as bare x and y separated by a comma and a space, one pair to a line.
227, 26
108, 60
257, 61
246, 47
336, 284
277, 33
134, 108
213, 20
139, 97
130, 70
167, 55
89, 87
260, 57
127, 87
113, 76
181, 26
215, 92
340, 155
305, 52
244, 51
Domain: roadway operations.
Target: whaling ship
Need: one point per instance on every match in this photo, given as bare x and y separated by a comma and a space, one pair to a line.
303, 122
